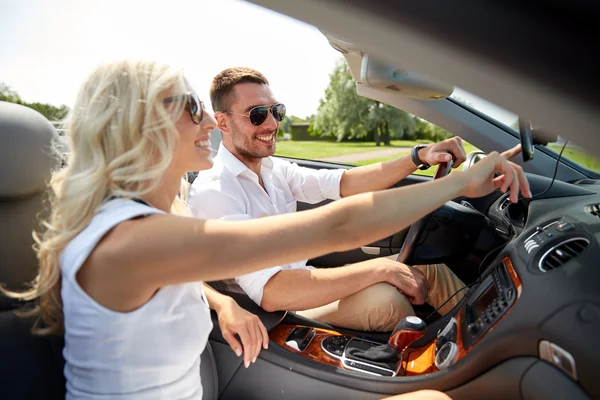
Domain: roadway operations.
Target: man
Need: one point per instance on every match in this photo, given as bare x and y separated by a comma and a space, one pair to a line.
246, 182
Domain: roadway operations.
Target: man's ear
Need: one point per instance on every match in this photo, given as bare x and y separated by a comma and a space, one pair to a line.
222, 122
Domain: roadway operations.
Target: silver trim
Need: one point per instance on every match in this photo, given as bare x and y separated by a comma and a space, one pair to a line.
537, 232
470, 161
373, 251
555, 247
452, 355
448, 327
593, 209
504, 201
344, 358
532, 235
559, 357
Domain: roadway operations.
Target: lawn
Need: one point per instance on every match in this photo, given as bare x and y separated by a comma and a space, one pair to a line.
321, 149
311, 150
318, 149
578, 156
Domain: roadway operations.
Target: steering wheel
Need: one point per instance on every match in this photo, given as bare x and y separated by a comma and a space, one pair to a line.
416, 229
526, 136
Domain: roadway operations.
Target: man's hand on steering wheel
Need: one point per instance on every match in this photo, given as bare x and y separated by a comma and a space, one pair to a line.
444, 151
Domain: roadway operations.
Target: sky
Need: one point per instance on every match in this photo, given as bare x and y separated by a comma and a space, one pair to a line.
47, 48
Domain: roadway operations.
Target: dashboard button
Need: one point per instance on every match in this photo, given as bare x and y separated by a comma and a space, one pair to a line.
473, 328
564, 226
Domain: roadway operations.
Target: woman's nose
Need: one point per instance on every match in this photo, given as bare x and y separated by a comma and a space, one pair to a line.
208, 121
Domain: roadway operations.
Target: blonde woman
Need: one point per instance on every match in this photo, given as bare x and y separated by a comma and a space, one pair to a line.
122, 275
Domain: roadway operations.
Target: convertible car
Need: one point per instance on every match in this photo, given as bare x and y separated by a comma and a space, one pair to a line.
528, 324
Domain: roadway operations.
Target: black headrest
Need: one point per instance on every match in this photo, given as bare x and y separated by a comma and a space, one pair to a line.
26, 163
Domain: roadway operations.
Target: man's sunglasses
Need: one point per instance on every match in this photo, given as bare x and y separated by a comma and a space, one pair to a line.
258, 115
194, 105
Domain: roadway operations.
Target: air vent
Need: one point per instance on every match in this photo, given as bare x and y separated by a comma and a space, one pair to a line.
561, 253
594, 209
505, 202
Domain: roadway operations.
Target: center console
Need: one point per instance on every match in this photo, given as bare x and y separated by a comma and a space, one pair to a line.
485, 305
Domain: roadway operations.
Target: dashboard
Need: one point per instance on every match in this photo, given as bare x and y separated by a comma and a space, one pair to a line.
527, 327
555, 254
538, 299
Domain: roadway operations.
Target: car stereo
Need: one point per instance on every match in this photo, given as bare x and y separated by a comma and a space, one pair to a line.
486, 304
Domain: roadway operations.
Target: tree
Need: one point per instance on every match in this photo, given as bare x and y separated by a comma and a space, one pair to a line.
49, 111
427, 131
288, 120
7, 93
345, 115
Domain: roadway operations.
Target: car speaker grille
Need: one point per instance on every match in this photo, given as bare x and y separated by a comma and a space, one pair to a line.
594, 209
561, 253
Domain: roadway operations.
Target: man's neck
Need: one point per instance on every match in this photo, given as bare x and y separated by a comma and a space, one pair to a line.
253, 164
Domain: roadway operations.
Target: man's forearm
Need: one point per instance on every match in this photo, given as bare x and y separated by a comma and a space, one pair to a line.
301, 289
379, 176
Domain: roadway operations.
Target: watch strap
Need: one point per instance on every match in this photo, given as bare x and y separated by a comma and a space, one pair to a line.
414, 155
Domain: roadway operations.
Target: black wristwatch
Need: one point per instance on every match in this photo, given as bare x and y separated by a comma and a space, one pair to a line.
414, 155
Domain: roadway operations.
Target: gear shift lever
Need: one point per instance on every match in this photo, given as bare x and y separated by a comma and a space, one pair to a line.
406, 332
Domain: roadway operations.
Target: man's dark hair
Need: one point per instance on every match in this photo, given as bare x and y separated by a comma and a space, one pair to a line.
223, 84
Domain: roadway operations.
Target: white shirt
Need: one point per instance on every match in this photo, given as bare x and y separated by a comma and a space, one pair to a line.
231, 191
152, 352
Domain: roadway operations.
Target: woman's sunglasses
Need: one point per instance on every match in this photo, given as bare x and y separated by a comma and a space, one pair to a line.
259, 114
194, 105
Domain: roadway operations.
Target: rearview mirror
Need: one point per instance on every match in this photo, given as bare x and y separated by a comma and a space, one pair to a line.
377, 74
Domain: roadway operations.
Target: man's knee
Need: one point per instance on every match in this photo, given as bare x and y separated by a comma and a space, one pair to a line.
383, 306
399, 305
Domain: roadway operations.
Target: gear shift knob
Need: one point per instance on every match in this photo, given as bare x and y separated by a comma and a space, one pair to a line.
406, 331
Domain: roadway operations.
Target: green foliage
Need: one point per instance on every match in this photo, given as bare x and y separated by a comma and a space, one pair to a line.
286, 125
49, 111
344, 115
427, 131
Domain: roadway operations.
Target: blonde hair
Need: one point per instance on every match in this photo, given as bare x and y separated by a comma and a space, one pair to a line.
122, 139
179, 206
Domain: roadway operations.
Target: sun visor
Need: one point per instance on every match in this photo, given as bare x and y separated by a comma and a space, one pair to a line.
377, 74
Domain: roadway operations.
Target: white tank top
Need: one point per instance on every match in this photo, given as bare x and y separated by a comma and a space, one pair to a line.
152, 352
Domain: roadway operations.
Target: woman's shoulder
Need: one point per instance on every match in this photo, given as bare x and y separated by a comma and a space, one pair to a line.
108, 215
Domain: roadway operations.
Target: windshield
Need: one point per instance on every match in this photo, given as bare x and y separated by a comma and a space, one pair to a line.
509, 119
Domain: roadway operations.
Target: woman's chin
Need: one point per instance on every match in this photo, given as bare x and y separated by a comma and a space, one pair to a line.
206, 163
